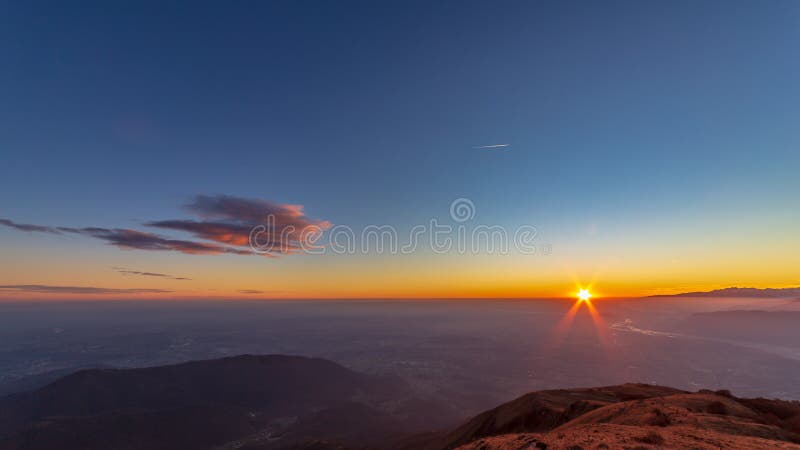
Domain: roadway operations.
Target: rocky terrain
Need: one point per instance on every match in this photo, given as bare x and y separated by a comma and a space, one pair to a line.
630, 416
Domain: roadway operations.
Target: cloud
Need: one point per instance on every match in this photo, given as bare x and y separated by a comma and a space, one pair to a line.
48, 289
230, 220
125, 271
493, 146
225, 233
139, 240
28, 227
226, 224
133, 239
250, 291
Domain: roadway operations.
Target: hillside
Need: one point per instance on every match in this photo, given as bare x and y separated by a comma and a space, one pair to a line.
271, 401
630, 416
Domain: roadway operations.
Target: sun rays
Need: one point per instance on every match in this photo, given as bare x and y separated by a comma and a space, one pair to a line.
583, 298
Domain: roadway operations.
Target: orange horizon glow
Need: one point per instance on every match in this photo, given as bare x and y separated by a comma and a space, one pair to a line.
290, 279
630, 274
367, 293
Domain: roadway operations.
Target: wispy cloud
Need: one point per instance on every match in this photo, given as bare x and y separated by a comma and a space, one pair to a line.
493, 146
28, 227
250, 291
49, 289
125, 271
226, 224
139, 240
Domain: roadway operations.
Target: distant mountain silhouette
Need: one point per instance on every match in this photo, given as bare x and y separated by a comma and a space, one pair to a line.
296, 403
629, 416
256, 401
741, 292
31, 382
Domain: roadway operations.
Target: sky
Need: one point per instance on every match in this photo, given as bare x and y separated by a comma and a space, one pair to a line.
654, 148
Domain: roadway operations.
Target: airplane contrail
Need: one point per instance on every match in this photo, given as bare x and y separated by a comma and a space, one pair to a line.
494, 146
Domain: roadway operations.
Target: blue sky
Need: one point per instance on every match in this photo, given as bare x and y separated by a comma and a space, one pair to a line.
622, 115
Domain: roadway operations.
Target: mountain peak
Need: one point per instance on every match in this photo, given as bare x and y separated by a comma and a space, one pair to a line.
630, 416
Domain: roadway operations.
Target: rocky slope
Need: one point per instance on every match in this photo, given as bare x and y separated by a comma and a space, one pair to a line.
630, 416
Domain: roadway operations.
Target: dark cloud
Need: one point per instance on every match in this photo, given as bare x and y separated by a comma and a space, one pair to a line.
125, 271
225, 233
28, 227
227, 225
271, 237
140, 240
286, 228
44, 288
248, 210
133, 239
250, 291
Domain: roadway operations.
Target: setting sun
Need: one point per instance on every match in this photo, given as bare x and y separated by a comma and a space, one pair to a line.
584, 295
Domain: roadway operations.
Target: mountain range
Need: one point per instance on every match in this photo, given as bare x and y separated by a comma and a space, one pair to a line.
290, 402
272, 401
741, 292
